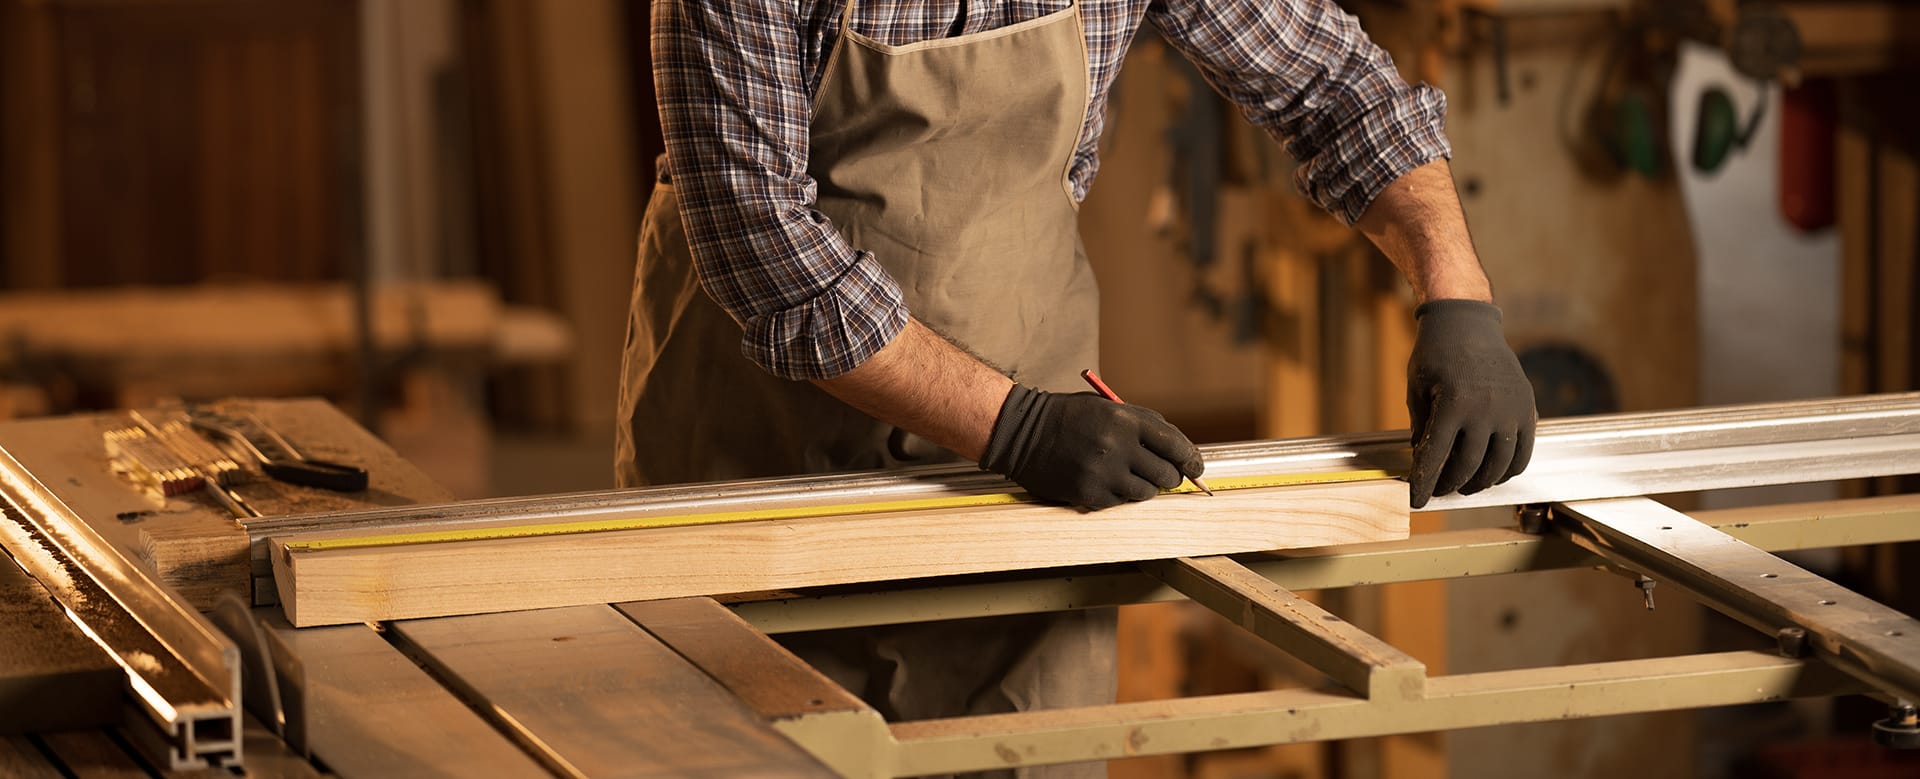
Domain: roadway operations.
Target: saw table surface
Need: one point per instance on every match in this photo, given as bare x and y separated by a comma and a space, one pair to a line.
588, 689
689, 687
190, 540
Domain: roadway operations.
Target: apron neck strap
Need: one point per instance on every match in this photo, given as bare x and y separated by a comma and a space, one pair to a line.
846, 17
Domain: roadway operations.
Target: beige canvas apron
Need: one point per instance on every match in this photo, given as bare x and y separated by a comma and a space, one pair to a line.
948, 160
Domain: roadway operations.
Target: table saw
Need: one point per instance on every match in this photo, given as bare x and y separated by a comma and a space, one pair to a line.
146, 634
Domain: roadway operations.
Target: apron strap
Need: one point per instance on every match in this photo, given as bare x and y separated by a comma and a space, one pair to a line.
846, 17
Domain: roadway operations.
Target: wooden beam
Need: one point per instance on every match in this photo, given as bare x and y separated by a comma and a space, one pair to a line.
600, 697
365, 709
1346, 653
832, 724
771, 680
334, 586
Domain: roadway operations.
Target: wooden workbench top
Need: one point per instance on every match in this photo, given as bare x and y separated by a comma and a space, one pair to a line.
190, 541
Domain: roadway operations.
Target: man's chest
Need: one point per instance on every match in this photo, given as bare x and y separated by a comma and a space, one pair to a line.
900, 22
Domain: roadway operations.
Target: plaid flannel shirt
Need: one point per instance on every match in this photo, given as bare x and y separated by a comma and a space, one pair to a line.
735, 81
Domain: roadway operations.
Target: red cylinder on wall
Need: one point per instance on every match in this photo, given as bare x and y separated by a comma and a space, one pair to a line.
1807, 116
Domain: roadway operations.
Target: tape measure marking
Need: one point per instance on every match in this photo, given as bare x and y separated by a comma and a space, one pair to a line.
795, 512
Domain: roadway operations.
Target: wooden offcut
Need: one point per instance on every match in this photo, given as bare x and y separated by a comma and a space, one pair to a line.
329, 586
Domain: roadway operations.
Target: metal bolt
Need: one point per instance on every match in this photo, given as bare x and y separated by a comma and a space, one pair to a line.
1533, 518
1646, 590
1792, 641
1901, 728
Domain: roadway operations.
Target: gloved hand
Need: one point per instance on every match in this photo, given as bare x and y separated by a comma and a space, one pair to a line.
1085, 450
1471, 405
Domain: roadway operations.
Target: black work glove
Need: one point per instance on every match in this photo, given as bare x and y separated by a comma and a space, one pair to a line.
1472, 406
1085, 450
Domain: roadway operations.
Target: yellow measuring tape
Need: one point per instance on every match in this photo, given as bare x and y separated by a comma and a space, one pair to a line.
797, 512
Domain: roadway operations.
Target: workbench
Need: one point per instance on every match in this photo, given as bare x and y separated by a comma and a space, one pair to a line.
694, 686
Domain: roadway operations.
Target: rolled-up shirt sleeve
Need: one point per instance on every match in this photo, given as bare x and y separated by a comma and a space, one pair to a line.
1304, 71
735, 111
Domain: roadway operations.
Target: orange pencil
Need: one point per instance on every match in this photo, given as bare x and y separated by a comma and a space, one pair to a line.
1093, 379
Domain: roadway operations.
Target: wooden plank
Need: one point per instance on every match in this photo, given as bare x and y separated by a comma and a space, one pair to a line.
602, 698
768, 678
365, 709
199, 560
20, 759
832, 724
93, 754
334, 586
52, 677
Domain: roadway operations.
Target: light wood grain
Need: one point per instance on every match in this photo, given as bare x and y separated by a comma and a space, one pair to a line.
1346, 653
769, 679
365, 709
323, 587
832, 724
601, 697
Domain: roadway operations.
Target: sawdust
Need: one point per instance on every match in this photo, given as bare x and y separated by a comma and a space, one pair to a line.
35, 556
143, 662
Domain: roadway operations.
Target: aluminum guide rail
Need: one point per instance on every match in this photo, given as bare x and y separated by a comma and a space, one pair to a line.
184, 675
1853, 632
1582, 458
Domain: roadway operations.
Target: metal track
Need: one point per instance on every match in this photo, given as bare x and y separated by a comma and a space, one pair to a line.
183, 674
1809, 614
1581, 458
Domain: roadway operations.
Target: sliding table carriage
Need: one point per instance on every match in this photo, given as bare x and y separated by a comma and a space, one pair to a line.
477, 666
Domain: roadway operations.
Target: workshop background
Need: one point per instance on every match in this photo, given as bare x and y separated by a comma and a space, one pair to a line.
426, 211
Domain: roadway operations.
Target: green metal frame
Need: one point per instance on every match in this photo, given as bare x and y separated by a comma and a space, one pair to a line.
1723, 559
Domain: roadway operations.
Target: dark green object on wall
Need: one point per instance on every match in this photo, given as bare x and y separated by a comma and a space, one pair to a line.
1717, 133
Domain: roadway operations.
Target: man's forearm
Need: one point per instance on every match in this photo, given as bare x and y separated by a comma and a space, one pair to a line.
923, 383
1417, 222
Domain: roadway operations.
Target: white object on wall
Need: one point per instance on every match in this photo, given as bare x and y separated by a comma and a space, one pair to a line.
1769, 293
